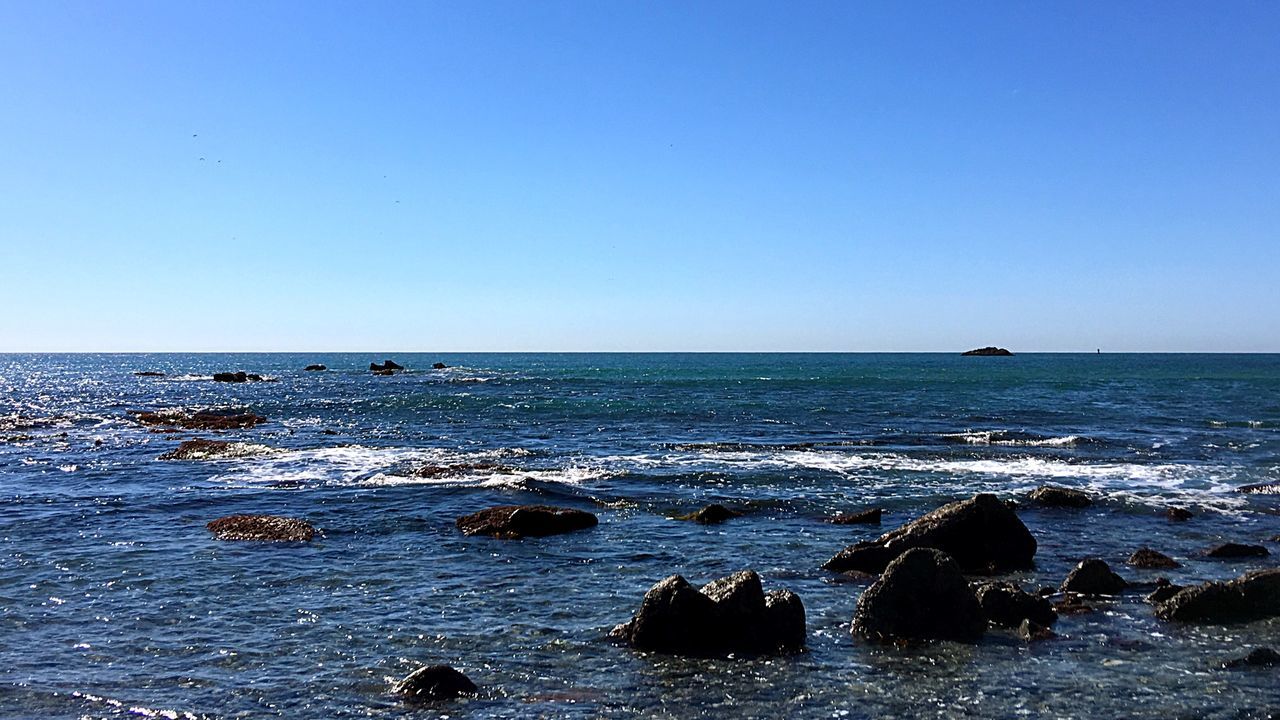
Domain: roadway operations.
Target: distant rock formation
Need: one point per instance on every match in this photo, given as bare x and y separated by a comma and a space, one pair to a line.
149, 373
315, 368
386, 366
438, 366
519, 521
269, 528
987, 351
238, 377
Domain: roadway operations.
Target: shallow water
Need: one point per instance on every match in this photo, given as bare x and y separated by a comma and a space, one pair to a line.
116, 602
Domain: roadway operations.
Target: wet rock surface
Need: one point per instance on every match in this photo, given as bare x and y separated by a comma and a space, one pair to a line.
434, 683
1060, 497
199, 420
520, 521
1147, 558
201, 449
921, 595
1007, 605
266, 528
1252, 596
864, 517
981, 534
712, 514
1093, 577
1232, 551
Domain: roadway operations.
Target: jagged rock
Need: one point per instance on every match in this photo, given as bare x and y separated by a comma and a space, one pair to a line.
922, 595
433, 683
1032, 632
1054, 496
315, 368
1007, 605
211, 450
1231, 551
149, 373
981, 534
712, 514
1093, 577
518, 521
386, 365
1259, 657
200, 420
729, 615
1252, 596
868, 517
1151, 559
1178, 514
1164, 590
261, 527
989, 350
1260, 489
438, 366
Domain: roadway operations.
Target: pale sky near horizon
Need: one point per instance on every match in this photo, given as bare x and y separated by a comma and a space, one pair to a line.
827, 176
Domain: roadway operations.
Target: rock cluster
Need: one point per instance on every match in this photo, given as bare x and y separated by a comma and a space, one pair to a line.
519, 521
238, 377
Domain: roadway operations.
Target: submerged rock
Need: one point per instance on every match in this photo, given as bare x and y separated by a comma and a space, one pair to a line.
1007, 605
200, 420
1252, 596
1259, 657
1054, 496
867, 517
200, 449
1232, 551
433, 683
519, 521
712, 514
982, 535
729, 615
989, 350
261, 527
1178, 514
386, 365
315, 368
922, 595
1093, 577
1151, 559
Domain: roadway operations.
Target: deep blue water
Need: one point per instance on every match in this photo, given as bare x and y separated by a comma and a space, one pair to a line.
116, 602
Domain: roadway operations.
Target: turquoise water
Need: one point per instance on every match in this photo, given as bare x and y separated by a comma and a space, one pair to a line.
115, 602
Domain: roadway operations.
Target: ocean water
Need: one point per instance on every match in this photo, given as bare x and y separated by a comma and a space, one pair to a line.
116, 602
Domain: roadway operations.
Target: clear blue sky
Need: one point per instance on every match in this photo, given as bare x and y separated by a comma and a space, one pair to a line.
639, 176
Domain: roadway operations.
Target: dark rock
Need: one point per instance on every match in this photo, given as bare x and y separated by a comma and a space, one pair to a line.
1231, 551
201, 420
315, 368
261, 527
459, 469
1007, 605
149, 373
1071, 604
1054, 496
235, 377
438, 366
1150, 559
210, 450
712, 514
386, 365
1252, 596
1178, 514
1032, 632
384, 372
1164, 590
922, 595
1260, 489
1259, 657
518, 521
989, 350
434, 683
868, 517
981, 534
1093, 577
729, 615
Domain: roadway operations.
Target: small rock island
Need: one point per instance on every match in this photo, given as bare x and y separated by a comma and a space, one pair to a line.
988, 351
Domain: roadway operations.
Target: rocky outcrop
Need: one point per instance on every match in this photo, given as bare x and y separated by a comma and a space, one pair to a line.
387, 365
1149, 559
271, 528
519, 521
434, 683
1093, 577
149, 373
1054, 496
1252, 596
315, 368
200, 420
989, 351
712, 514
1178, 514
238, 377
731, 615
865, 517
212, 450
922, 595
982, 535
1259, 657
1006, 605
439, 366
1234, 551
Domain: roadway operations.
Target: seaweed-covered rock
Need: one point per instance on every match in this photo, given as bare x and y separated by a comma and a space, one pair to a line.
1252, 596
729, 615
315, 368
1259, 657
1007, 605
712, 514
433, 683
519, 521
982, 535
1093, 577
922, 595
864, 517
988, 351
200, 420
261, 527
1151, 559
201, 449
1054, 496
1233, 551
